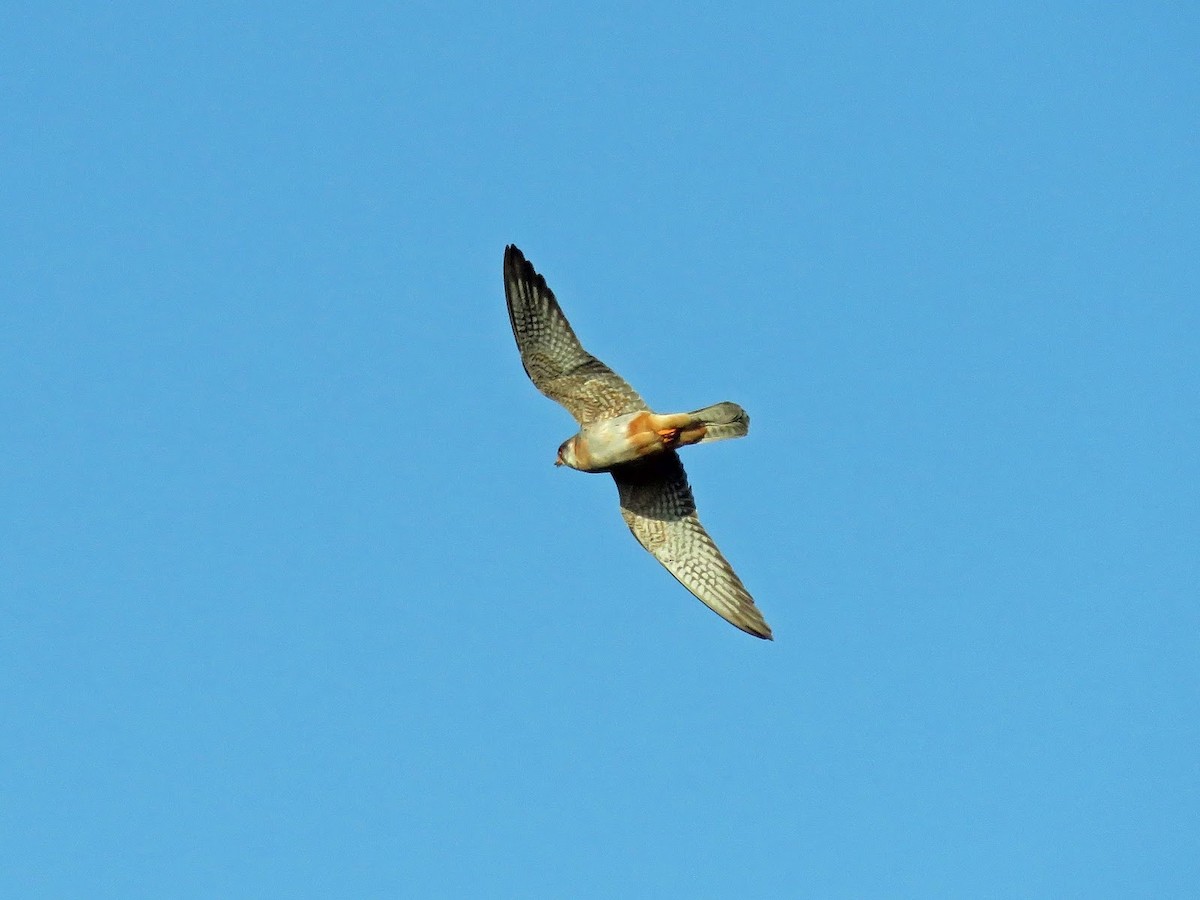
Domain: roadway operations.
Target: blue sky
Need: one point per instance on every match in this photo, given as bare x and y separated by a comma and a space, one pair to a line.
295, 603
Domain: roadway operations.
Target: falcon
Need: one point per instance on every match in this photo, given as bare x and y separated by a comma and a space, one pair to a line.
621, 435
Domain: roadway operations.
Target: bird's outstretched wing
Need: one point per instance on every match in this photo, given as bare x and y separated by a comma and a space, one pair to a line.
553, 358
658, 507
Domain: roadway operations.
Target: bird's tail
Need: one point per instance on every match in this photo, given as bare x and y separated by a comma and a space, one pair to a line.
718, 422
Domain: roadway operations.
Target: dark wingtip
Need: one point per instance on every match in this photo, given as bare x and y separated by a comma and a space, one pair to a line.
513, 260
518, 268
765, 634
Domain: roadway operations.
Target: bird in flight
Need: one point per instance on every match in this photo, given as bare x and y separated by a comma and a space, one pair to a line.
619, 434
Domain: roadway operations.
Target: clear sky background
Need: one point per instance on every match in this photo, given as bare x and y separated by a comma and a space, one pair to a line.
294, 602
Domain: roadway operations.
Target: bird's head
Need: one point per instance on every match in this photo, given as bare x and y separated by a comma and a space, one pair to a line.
566, 453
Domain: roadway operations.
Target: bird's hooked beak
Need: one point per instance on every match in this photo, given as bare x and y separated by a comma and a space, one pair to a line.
558, 460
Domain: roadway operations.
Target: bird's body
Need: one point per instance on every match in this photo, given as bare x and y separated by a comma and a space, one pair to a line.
621, 435
603, 445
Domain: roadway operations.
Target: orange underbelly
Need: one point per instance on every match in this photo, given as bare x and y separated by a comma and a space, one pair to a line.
649, 432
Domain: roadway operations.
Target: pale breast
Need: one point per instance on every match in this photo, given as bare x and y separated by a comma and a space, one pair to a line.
620, 439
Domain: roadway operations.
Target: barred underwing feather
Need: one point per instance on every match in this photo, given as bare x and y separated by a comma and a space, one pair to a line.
553, 358
658, 506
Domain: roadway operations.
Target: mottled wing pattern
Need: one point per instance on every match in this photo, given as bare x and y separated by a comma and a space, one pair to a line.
658, 507
553, 358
